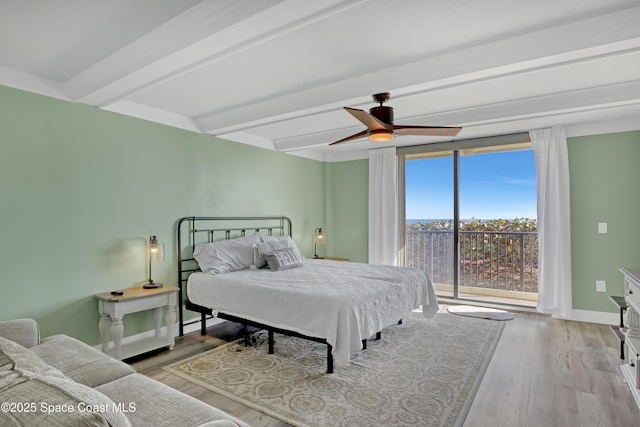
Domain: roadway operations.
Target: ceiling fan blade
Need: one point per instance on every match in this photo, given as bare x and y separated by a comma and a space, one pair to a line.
352, 137
369, 121
427, 130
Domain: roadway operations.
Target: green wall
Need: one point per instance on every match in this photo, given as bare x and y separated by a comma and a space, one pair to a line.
83, 189
347, 210
605, 174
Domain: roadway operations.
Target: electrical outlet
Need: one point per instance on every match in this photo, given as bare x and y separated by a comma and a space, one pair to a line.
602, 227
601, 286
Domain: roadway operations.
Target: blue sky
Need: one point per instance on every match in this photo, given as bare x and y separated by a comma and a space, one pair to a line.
495, 185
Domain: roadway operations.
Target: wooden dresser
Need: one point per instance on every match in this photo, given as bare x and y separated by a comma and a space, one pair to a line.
630, 369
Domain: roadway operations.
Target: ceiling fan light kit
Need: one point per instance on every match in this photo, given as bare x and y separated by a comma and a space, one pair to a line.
382, 135
380, 127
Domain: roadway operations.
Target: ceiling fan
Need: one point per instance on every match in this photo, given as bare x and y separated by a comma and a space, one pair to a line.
380, 127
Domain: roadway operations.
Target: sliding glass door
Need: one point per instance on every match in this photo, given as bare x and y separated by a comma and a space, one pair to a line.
429, 197
471, 222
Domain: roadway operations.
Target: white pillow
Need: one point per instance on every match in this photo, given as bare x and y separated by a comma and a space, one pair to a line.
270, 244
224, 256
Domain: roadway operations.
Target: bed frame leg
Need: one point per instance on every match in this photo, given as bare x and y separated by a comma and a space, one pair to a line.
203, 324
246, 336
270, 342
329, 359
378, 335
400, 322
364, 344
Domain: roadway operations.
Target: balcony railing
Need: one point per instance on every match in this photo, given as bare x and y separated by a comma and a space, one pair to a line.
495, 260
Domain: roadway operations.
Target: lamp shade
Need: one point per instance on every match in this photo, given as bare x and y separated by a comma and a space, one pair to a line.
319, 236
156, 250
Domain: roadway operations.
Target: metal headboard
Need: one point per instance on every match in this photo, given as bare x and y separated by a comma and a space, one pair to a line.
193, 230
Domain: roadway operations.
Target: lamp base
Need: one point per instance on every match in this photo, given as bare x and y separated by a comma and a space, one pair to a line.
152, 285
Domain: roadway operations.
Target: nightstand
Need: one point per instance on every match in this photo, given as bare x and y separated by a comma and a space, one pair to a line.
113, 308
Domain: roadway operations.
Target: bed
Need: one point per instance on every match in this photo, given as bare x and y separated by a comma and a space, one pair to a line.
340, 304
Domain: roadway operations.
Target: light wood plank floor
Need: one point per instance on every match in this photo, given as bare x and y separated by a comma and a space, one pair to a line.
545, 372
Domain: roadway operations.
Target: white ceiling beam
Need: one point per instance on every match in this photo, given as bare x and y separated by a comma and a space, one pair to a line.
212, 37
249, 139
607, 96
574, 41
123, 71
151, 114
24, 81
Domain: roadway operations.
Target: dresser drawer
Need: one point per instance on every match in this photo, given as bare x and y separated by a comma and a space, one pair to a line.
632, 291
634, 371
631, 362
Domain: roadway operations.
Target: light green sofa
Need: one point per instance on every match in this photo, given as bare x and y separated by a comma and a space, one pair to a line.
60, 381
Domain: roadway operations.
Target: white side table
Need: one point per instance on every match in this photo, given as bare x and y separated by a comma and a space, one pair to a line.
113, 308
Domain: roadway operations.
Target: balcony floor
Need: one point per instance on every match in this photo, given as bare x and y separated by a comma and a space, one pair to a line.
527, 301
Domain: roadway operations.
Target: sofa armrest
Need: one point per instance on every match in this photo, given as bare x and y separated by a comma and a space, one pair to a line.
23, 331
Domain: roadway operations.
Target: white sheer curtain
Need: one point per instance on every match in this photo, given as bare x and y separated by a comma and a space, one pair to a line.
383, 206
554, 221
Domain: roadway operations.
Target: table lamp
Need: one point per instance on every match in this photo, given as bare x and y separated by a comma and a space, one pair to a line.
155, 253
318, 239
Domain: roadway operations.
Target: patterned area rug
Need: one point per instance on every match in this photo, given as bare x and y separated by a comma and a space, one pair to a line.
422, 372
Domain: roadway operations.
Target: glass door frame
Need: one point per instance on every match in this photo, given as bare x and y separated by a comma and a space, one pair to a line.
487, 144
456, 224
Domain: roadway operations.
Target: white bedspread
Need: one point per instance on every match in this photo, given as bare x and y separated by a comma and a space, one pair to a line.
343, 302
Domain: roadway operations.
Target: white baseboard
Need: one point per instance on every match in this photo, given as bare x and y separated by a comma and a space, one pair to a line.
602, 317
163, 331
605, 318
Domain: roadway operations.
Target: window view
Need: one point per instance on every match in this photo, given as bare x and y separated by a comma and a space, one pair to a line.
429, 217
496, 258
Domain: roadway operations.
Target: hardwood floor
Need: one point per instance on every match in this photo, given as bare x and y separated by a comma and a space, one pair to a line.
548, 372
544, 372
